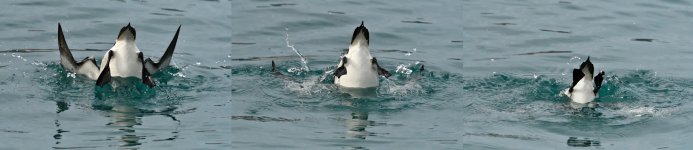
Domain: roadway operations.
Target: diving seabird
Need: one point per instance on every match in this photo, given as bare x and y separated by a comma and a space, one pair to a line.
124, 59
584, 88
358, 69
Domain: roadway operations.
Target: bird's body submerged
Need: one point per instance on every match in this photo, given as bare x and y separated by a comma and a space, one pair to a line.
124, 59
584, 88
358, 69
582, 92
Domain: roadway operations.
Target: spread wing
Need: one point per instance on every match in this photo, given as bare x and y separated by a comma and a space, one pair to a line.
105, 75
153, 67
577, 76
86, 67
380, 70
598, 82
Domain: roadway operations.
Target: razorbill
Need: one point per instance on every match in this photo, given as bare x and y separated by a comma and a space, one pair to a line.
584, 88
124, 59
358, 69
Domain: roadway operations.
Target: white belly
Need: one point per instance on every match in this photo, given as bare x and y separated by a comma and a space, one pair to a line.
124, 64
583, 92
361, 73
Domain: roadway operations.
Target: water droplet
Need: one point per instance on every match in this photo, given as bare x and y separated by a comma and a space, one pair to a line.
292, 70
71, 75
404, 69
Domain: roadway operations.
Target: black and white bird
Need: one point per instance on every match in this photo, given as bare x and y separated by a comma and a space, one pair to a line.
124, 59
358, 69
585, 88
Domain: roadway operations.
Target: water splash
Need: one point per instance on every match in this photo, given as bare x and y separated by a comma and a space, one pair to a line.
288, 44
572, 60
295, 70
569, 65
71, 75
404, 69
633, 99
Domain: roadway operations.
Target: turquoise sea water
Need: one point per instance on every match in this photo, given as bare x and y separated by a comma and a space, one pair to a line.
518, 56
493, 73
45, 107
302, 109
